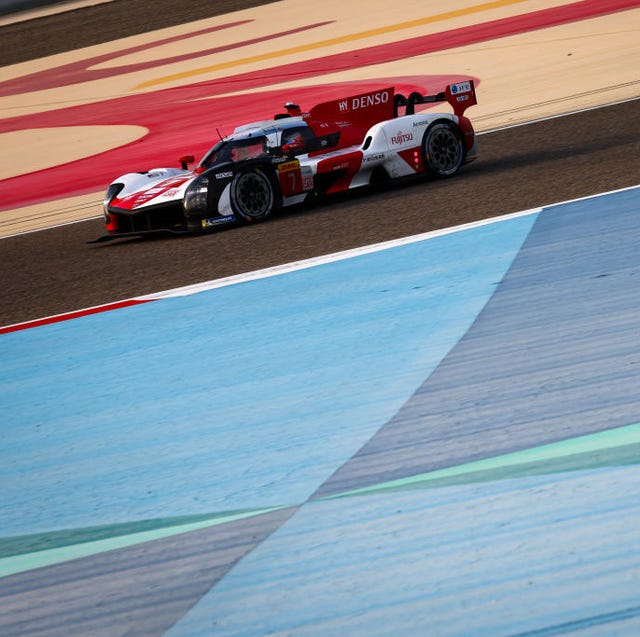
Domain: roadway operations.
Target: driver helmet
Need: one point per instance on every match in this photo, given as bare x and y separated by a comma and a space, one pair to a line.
291, 136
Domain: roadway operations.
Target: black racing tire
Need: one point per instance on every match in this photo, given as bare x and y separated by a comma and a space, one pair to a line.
442, 150
253, 195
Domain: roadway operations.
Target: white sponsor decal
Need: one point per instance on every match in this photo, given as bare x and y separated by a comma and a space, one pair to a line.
207, 223
364, 101
307, 178
462, 87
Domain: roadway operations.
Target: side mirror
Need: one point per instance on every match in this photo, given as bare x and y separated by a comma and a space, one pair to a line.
185, 160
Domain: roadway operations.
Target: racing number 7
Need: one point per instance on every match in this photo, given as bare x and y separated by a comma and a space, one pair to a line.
290, 178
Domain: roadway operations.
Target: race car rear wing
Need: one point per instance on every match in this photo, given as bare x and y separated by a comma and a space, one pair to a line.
351, 117
460, 95
348, 119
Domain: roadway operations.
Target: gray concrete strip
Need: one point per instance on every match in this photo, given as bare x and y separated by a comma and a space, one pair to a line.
141, 590
553, 355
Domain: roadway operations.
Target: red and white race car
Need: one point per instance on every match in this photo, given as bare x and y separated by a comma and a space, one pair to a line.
348, 143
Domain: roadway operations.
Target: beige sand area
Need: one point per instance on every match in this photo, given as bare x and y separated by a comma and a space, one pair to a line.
347, 31
535, 75
46, 147
523, 77
43, 149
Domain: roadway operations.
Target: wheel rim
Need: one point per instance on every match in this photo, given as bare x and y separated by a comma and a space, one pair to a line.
253, 194
444, 150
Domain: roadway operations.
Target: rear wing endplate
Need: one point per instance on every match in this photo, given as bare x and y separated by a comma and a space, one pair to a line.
460, 95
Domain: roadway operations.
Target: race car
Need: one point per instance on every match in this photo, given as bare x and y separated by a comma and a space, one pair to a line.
364, 139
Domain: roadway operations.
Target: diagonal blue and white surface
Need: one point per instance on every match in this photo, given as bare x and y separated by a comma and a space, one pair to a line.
439, 436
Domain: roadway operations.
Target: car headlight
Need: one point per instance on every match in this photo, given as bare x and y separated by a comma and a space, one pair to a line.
196, 195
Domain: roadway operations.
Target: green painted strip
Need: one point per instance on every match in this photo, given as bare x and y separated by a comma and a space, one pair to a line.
29, 561
614, 447
613, 457
521, 461
31, 543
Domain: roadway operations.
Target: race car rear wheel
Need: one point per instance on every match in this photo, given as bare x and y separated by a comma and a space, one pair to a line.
253, 196
442, 150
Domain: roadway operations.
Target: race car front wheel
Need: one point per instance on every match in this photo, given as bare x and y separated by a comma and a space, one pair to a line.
252, 194
442, 150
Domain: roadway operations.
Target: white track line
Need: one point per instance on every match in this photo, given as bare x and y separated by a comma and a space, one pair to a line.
327, 258
548, 117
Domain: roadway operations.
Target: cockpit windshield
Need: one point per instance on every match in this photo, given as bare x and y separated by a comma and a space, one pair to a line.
288, 139
236, 150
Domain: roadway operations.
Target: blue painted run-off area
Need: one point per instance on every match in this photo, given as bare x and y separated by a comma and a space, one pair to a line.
240, 397
538, 542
